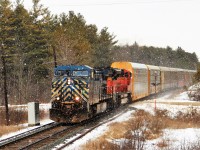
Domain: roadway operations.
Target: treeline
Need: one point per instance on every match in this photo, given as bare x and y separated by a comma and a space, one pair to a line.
156, 56
30, 40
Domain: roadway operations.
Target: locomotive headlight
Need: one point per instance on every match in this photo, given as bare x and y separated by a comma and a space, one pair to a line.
77, 99
57, 98
68, 81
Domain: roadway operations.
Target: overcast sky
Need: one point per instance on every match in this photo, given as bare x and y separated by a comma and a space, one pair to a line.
158, 23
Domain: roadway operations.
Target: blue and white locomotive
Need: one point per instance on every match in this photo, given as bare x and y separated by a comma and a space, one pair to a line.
80, 92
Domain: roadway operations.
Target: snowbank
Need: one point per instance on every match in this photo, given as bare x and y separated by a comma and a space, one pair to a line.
194, 92
175, 138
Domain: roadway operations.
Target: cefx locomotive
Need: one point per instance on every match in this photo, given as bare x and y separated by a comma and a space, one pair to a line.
80, 92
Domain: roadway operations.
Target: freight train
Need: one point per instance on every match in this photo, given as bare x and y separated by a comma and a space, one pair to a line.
80, 92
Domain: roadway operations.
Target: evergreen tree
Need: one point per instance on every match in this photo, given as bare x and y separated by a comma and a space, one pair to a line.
6, 27
22, 24
6, 37
37, 50
6, 43
102, 54
156, 56
71, 43
197, 75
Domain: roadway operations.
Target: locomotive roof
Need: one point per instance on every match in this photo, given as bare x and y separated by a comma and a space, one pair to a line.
128, 65
138, 66
73, 67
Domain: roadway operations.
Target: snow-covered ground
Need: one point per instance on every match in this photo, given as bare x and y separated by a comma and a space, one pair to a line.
44, 107
151, 105
176, 137
96, 132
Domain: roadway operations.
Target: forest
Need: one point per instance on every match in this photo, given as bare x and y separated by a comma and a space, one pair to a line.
31, 39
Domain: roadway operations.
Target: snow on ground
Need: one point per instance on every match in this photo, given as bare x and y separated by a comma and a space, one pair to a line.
173, 110
26, 127
151, 105
96, 132
45, 107
194, 87
175, 136
89, 137
183, 97
172, 137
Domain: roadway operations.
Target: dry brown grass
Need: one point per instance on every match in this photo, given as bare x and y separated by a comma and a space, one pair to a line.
101, 145
143, 126
192, 103
192, 118
9, 129
163, 143
16, 116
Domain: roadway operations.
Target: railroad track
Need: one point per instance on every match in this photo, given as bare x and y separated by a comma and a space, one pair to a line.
57, 133
89, 129
27, 133
12, 142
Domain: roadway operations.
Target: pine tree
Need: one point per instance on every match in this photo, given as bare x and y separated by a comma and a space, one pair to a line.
6, 27
71, 43
37, 50
22, 23
6, 42
102, 54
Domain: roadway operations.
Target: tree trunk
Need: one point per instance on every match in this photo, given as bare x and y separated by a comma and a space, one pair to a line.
5, 89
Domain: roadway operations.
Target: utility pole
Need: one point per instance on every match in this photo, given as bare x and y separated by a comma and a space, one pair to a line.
5, 84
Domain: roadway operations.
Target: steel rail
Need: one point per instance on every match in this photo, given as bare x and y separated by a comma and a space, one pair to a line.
26, 134
46, 137
89, 130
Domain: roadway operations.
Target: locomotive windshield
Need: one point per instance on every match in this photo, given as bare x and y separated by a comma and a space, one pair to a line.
81, 73
62, 73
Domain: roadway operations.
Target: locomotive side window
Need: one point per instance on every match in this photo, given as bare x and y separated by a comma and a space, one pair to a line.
97, 77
